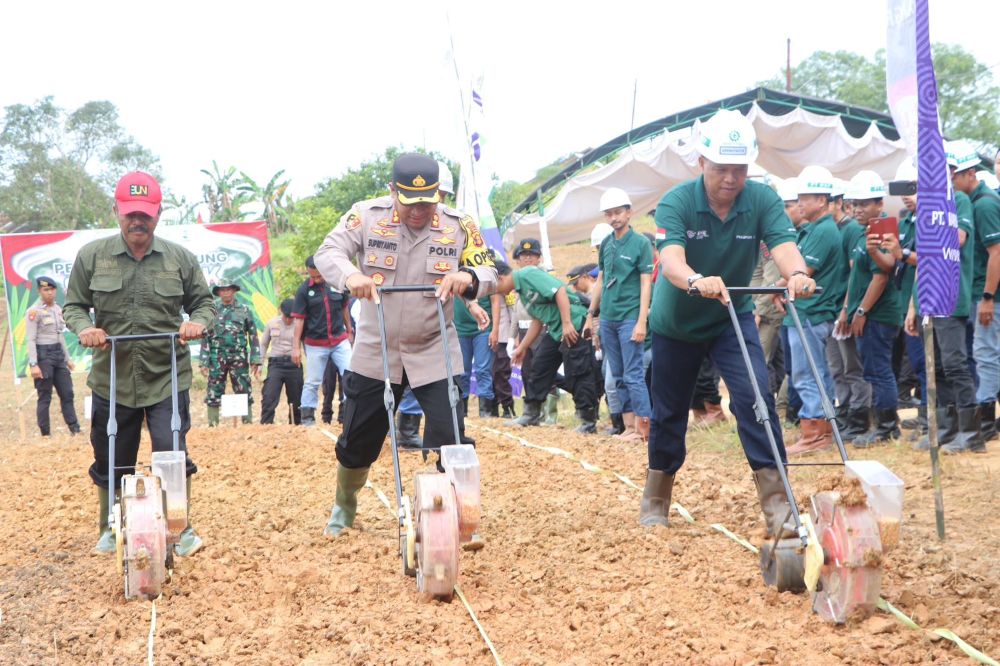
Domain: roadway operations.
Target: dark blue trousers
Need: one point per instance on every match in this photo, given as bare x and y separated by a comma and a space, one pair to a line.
675, 371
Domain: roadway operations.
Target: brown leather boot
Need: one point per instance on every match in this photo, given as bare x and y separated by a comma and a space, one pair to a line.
817, 434
713, 415
774, 503
655, 503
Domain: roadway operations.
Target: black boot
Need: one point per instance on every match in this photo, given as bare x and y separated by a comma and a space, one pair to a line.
531, 416
886, 429
947, 428
308, 416
494, 409
508, 411
843, 415
791, 417
588, 421
408, 431
617, 425
858, 421
462, 438
486, 407
919, 422
969, 439
988, 418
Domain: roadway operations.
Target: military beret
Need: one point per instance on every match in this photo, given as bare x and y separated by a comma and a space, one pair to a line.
528, 246
44, 281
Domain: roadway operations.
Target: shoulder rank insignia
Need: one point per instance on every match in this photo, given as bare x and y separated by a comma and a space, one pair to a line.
444, 240
436, 222
378, 279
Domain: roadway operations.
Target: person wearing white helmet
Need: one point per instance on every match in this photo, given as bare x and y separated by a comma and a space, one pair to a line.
819, 243
622, 295
708, 235
600, 231
872, 311
854, 393
963, 160
956, 390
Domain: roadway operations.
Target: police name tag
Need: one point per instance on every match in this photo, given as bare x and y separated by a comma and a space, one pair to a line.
234, 405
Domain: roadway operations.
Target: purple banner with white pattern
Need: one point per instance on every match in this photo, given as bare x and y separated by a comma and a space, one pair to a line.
912, 96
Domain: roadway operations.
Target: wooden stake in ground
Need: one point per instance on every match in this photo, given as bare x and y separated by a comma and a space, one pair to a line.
932, 429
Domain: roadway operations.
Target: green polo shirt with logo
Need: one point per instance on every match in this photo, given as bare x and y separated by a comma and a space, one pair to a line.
986, 220
465, 324
537, 291
907, 238
821, 248
621, 262
887, 309
728, 248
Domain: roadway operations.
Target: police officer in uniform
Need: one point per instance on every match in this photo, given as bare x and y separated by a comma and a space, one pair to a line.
224, 352
48, 357
407, 238
277, 343
137, 283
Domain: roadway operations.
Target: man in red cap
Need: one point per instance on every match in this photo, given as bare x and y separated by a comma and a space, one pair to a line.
137, 283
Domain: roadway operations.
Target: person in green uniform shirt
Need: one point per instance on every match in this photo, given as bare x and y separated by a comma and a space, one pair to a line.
963, 159
854, 393
819, 243
230, 348
137, 283
622, 294
872, 313
551, 305
477, 336
708, 236
956, 389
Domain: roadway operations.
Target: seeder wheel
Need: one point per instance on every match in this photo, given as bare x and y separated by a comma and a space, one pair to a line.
782, 565
437, 535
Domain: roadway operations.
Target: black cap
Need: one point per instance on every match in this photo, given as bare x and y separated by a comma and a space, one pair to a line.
579, 271
45, 281
286, 307
416, 178
224, 285
310, 262
528, 246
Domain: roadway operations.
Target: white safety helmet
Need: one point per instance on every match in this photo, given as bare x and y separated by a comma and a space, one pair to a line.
866, 185
988, 178
788, 189
839, 187
600, 232
816, 180
614, 197
446, 183
961, 154
906, 171
727, 138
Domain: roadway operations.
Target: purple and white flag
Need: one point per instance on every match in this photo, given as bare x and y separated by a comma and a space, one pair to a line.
912, 96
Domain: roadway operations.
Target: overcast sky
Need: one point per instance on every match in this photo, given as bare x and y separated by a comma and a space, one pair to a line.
318, 87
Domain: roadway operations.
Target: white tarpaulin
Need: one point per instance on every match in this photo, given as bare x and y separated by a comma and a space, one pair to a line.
787, 142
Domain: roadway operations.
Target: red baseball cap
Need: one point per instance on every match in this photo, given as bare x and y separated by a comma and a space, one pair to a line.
138, 192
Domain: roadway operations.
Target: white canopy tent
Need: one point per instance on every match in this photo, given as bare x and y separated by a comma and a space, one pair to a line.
788, 142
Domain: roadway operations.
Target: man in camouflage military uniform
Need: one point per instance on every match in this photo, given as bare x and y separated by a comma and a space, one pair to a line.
225, 352
407, 238
48, 358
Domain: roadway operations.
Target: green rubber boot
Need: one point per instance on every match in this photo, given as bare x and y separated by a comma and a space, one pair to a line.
552, 410
249, 417
213, 416
345, 507
106, 541
189, 542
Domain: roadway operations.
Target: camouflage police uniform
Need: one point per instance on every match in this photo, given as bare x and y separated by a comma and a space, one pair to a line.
224, 351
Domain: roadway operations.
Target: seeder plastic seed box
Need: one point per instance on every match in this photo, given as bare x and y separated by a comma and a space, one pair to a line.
885, 496
170, 466
461, 464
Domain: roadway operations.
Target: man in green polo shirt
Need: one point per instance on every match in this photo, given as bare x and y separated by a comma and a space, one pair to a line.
708, 235
963, 159
872, 313
137, 283
621, 295
956, 389
820, 246
550, 304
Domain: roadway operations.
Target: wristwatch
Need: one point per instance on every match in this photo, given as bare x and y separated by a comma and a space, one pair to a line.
906, 253
860, 312
987, 296
32, 364
694, 278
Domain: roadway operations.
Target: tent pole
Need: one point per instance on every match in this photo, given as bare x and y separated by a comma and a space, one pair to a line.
543, 229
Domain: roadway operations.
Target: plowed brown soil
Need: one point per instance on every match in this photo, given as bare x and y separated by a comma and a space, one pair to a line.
567, 575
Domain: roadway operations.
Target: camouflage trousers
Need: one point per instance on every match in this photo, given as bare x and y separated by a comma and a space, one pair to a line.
239, 375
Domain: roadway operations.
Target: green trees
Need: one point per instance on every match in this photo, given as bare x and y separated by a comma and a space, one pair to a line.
968, 99
58, 168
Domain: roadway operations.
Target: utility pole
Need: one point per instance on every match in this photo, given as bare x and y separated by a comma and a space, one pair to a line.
788, 65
